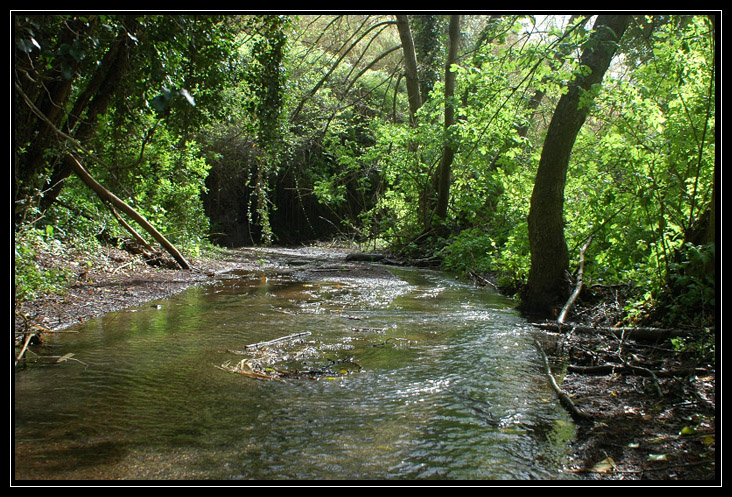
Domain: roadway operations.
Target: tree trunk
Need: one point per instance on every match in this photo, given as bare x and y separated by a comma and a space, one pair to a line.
547, 284
92, 103
410, 65
445, 170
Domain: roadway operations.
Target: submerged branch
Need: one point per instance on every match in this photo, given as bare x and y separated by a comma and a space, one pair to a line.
576, 414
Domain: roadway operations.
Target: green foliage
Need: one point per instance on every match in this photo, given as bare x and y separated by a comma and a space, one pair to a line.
31, 276
165, 183
690, 296
278, 104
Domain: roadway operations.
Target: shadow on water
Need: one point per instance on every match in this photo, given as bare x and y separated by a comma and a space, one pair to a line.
448, 385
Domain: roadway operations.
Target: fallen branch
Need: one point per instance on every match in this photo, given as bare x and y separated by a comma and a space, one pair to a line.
107, 196
270, 342
634, 370
25, 346
578, 286
130, 229
640, 333
57, 359
576, 414
481, 281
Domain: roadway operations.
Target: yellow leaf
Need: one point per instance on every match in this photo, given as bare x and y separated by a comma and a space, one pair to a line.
688, 430
604, 466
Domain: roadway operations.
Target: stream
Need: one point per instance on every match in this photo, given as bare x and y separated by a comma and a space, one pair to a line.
425, 376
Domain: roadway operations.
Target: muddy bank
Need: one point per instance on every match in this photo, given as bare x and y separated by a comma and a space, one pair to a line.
643, 424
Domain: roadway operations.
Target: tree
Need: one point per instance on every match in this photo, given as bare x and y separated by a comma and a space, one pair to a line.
80, 71
547, 283
47, 72
450, 147
410, 65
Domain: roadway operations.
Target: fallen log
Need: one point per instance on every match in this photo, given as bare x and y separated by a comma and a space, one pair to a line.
365, 257
606, 369
638, 333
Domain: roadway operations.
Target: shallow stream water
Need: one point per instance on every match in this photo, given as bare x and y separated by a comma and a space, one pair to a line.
435, 379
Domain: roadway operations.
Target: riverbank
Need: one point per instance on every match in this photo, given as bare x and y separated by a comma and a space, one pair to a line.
641, 428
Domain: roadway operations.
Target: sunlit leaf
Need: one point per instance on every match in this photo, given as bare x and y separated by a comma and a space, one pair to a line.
688, 430
604, 466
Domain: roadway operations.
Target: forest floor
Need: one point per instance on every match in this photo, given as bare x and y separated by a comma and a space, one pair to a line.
641, 428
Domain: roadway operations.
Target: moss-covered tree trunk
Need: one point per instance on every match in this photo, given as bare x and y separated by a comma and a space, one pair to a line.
547, 285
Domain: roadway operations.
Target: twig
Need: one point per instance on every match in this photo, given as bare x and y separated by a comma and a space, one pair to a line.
25, 346
633, 370
638, 333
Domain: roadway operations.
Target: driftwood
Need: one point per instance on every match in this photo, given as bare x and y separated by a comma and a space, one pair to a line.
108, 197
576, 414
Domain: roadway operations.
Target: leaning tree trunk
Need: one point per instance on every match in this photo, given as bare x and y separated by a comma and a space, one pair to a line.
410, 65
547, 285
108, 196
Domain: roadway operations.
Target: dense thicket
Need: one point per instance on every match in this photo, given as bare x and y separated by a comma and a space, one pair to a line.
286, 129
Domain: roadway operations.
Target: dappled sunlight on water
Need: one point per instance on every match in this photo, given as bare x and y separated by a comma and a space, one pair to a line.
447, 385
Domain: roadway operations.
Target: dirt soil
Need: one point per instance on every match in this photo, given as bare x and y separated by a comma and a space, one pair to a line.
640, 427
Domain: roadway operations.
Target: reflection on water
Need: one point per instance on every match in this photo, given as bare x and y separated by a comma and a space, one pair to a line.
449, 388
